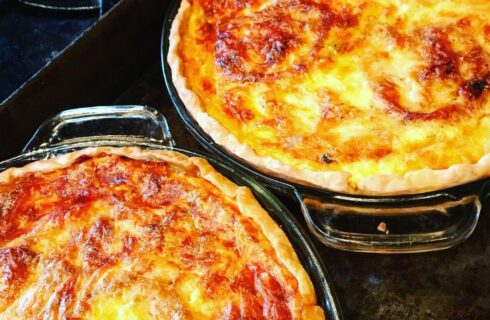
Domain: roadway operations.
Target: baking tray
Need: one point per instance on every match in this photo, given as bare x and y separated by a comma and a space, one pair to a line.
141, 126
415, 223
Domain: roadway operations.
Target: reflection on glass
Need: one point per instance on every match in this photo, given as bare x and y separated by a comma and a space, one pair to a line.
72, 5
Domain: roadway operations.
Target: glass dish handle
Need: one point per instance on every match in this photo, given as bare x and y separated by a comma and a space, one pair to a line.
103, 125
440, 224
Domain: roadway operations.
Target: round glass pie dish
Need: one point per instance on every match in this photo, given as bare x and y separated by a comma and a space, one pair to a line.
382, 224
137, 126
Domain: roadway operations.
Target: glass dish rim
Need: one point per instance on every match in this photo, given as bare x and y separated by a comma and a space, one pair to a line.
56, 7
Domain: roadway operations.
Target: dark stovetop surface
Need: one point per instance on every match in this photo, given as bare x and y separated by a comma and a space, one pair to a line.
30, 38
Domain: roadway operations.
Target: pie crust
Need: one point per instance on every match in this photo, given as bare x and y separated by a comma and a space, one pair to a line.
246, 203
416, 181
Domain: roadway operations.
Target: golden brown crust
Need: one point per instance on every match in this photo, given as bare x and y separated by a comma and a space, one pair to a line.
249, 206
245, 200
415, 181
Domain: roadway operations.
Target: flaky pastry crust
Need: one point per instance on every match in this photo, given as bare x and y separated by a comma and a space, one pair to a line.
244, 198
412, 182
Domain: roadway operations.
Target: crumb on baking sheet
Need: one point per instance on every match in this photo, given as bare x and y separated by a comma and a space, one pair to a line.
383, 228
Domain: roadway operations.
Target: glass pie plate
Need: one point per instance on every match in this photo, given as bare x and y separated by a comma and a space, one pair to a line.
144, 127
395, 224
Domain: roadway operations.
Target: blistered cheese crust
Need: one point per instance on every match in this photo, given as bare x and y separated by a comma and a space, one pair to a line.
131, 234
370, 90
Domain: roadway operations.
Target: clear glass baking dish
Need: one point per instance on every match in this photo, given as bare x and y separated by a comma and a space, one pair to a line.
396, 224
120, 126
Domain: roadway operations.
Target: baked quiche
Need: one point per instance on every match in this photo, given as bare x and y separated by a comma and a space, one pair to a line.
110, 233
366, 97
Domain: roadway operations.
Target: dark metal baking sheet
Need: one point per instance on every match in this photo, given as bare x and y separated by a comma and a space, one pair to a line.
117, 62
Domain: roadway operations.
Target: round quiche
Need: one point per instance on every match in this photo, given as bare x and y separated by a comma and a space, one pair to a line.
109, 233
367, 97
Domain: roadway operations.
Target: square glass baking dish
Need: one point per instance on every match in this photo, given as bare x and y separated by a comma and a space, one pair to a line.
394, 224
144, 127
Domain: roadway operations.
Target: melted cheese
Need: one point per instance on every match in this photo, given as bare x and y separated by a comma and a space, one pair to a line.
377, 87
116, 238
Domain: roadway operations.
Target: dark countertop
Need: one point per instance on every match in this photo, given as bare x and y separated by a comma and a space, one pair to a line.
30, 38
